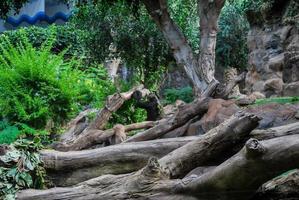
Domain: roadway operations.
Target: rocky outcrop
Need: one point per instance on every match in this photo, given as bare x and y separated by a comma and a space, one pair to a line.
273, 43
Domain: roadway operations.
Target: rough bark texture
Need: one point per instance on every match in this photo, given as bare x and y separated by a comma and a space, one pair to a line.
290, 129
209, 13
182, 116
210, 146
176, 40
95, 137
113, 103
69, 168
235, 174
81, 129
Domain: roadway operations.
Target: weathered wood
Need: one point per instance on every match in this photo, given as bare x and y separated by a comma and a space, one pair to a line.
80, 127
68, 168
279, 131
240, 176
210, 146
256, 163
113, 103
94, 137
178, 132
182, 116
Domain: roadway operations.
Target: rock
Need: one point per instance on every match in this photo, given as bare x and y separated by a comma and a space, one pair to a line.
291, 89
273, 53
274, 87
256, 95
219, 110
276, 63
274, 114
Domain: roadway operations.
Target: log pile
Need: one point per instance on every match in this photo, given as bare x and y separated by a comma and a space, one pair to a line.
231, 160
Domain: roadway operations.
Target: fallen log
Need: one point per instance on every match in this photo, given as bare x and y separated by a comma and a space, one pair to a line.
182, 116
240, 176
69, 168
214, 146
94, 137
279, 131
81, 126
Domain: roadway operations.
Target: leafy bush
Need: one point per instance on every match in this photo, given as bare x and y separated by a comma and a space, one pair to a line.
185, 94
8, 133
37, 86
22, 168
65, 37
231, 50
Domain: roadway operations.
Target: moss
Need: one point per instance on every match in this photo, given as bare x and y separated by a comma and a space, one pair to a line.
281, 100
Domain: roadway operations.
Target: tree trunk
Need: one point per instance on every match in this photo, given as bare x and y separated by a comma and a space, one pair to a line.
182, 52
182, 116
209, 12
97, 137
289, 129
69, 168
81, 127
214, 146
236, 178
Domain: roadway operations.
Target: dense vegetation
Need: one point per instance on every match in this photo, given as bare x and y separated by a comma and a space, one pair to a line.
49, 75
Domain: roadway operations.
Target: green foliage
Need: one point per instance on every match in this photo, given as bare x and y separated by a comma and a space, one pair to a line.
281, 100
8, 133
65, 37
37, 86
185, 14
185, 94
22, 168
7, 5
231, 50
127, 114
114, 32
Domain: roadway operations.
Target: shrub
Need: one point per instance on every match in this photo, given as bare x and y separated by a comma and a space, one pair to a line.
37, 86
65, 37
8, 133
185, 94
22, 169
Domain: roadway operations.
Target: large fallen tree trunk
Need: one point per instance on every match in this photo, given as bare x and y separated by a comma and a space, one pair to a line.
239, 176
69, 168
179, 163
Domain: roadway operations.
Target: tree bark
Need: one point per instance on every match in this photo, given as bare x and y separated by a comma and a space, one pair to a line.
69, 168
289, 129
182, 52
95, 137
81, 127
209, 12
182, 116
236, 178
214, 146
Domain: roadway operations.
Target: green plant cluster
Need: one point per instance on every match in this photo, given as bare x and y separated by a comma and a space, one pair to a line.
38, 86
185, 94
22, 168
8, 133
65, 38
280, 100
231, 49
